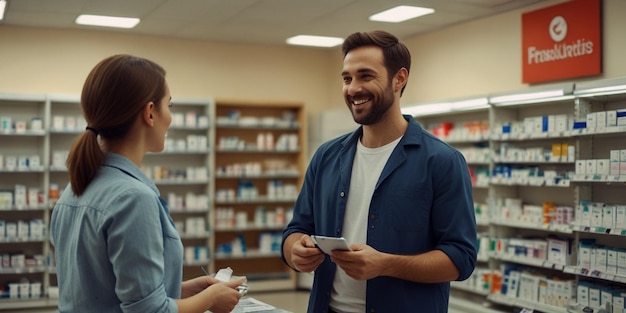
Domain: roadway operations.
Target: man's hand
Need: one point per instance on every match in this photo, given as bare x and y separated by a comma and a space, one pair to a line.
305, 257
363, 262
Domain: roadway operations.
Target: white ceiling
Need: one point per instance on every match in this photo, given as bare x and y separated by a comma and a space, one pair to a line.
252, 21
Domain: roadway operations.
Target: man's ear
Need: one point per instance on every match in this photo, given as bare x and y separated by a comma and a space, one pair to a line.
401, 79
148, 113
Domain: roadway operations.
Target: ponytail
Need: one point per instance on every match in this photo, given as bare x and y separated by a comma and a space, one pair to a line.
83, 161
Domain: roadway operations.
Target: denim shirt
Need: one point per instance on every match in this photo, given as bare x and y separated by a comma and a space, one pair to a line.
422, 201
116, 246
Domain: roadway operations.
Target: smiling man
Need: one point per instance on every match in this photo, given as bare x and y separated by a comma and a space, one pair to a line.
401, 197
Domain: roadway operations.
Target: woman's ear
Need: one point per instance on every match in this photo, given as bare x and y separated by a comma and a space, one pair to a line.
147, 113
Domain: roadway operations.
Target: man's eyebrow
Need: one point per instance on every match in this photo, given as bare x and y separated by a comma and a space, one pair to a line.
359, 71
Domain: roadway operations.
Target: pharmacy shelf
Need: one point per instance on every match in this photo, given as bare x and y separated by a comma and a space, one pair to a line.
507, 124
260, 150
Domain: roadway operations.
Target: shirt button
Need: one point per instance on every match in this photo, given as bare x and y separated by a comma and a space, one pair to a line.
372, 216
342, 194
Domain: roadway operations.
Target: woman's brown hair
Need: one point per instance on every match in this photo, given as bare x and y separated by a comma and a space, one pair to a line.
115, 92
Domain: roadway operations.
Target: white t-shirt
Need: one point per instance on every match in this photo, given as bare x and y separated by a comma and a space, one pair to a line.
348, 294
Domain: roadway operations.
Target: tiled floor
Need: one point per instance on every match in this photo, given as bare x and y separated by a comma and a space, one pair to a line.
291, 301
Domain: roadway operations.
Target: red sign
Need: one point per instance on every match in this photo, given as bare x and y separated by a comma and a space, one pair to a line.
562, 41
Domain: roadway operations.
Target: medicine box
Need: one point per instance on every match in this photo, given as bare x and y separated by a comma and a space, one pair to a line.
611, 118
603, 167
601, 120
581, 167
591, 121
591, 167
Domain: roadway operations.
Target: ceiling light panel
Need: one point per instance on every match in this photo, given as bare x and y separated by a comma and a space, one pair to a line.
3, 6
315, 41
107, 21
400, 14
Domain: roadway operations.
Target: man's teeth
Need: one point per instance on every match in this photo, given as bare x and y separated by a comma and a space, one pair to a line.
357, 102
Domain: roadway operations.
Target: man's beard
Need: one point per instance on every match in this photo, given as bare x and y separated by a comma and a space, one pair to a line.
378, 109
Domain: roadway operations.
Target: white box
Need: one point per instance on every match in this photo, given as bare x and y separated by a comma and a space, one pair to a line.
591, 120
192, 143
584, 255
36, 123
20, 127
33, 197
591, 167
582, 294
618, 301
22, 230
543, 291
558, 251
600, 259
571, 153
191, 119
203, 142
14, 290
36, 229
34, 162
6, 124
203, 121
611, 261
35, 290
562, 123
583, 215
603, 167
611, 118
513, 284
20, 197
606, 297
529, 125
594, 297
620, 216
614, 155
608, 216
601, 120
614, 168
621, 261
25, 290
597, 209
22, 162
11, 230
581, 167
58, 122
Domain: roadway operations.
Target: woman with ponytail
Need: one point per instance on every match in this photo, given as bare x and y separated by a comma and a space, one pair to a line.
116, 246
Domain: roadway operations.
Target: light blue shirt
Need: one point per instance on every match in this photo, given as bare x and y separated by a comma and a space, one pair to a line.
116, 246
421, 202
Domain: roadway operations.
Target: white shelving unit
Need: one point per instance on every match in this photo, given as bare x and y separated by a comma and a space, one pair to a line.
23, 253
34, 157
536, 178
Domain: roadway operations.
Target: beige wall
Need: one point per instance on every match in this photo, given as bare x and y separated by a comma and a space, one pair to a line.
55, 61
475, 58
484, 56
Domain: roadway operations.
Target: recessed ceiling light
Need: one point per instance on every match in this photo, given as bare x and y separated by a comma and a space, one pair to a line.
3, 5
400, 14
315, 41
107, 21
